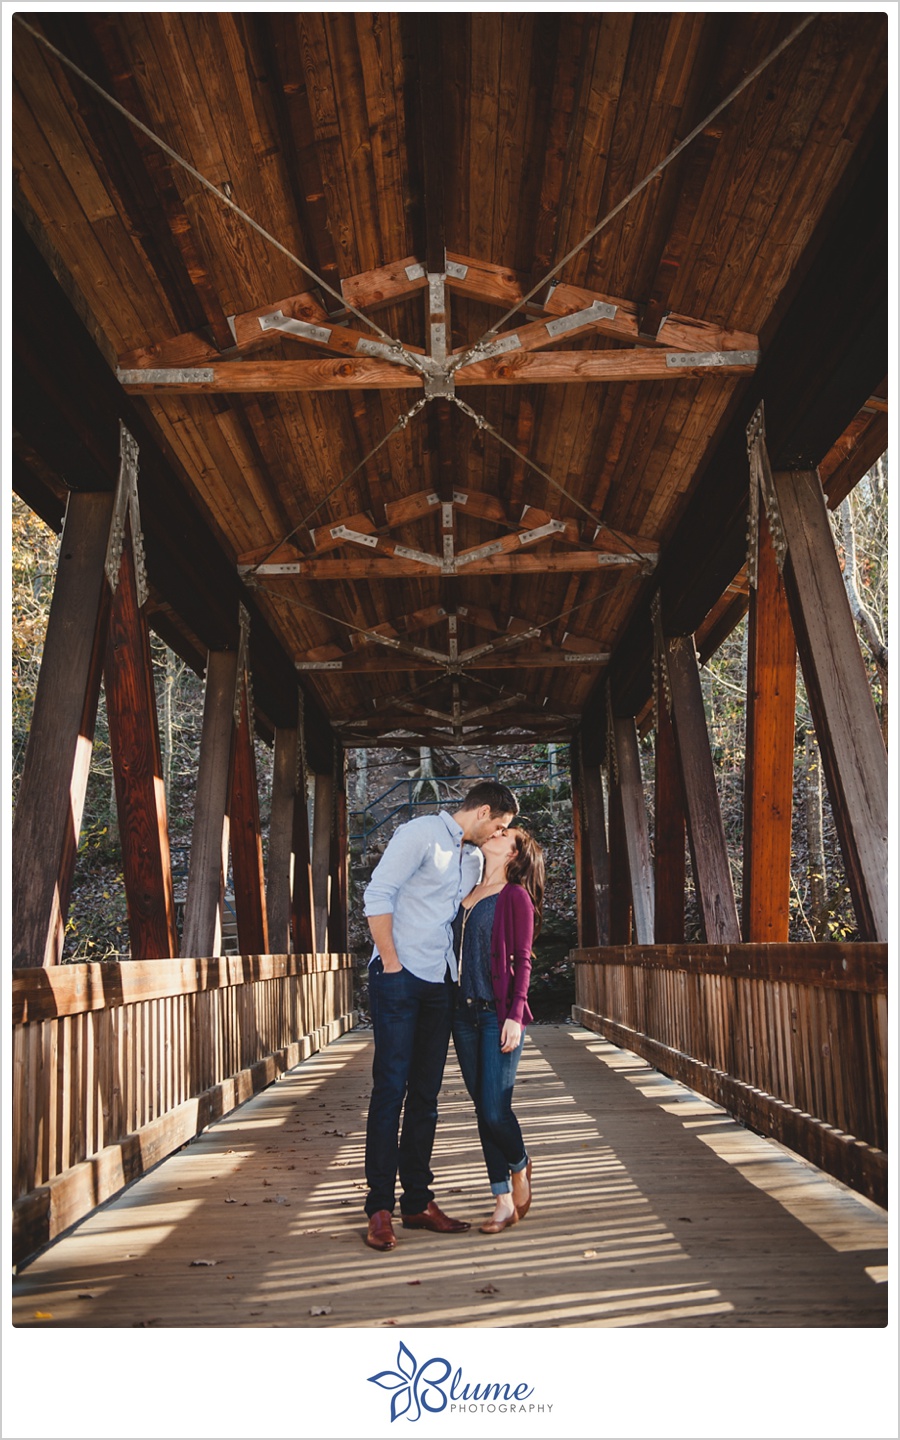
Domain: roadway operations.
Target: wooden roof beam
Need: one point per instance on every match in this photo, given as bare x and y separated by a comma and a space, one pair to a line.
676, 332
560, 368
140, 174
572, 311
819, 367
364, 664
281, 49
698, 163
394, 568
68, 406
428, 109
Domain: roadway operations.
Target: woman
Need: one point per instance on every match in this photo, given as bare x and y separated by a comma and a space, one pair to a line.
493, 933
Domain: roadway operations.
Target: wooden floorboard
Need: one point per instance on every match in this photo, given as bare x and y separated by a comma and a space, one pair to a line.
651, 1208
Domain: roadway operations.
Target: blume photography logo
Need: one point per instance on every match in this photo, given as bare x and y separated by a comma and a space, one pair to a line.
416, 1388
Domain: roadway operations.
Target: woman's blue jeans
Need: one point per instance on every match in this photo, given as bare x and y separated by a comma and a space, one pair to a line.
490, 1075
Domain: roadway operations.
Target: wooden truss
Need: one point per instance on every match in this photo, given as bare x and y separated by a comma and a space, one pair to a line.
681, 345
354, 546
388, 559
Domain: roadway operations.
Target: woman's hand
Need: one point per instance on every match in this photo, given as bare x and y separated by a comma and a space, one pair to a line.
510, 1036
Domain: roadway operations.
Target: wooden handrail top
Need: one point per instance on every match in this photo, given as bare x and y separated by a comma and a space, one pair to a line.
43, 993
858, 966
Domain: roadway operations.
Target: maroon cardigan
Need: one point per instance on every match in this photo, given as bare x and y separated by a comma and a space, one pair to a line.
511, 937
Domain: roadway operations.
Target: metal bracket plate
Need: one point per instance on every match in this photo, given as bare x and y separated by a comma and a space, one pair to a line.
762, 481
243, 674
552, 527
277, 320
126, 505
286, 567
489, 349
405, 553
199, 375
379, 351
600, 310
686, 360
343, 532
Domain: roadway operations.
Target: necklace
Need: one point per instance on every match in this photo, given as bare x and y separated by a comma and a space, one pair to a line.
481, 891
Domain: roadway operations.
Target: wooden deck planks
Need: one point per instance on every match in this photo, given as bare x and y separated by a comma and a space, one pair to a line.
651, 1208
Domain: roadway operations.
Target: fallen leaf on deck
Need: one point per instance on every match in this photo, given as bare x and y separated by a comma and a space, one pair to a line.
413, 1282
230, 1200
282, 1200
204, 1262
42, 1315
320, 1310
87, 1295
590, 1254
487, 1290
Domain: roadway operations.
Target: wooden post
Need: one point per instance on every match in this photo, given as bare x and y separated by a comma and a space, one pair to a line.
339, 866
706, 833
321, 858
202, 926
246, 836
57, 761
850, 739
769, 772
637, 835
669, 834
620, 905
280, 867
585, 904
303, 940
137, 768
595, 829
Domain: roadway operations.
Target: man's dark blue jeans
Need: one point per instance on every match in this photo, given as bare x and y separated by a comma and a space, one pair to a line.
411, 1020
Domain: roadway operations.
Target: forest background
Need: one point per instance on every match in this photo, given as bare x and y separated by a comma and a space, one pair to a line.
97, 925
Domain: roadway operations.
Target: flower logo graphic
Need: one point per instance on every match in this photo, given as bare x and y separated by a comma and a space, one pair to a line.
416, 1388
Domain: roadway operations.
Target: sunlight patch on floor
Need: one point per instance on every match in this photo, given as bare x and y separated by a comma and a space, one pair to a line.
833, 1212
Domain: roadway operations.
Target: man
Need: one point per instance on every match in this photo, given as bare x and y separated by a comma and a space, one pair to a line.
410, 902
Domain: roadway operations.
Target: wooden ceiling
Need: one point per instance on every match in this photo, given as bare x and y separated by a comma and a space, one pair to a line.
468, 569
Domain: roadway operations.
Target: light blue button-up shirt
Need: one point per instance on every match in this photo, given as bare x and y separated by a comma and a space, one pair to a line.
419, 880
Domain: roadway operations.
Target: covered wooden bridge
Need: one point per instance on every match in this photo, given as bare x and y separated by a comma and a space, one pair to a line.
448, 380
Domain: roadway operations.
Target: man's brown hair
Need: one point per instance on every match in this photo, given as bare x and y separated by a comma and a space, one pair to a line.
490, 792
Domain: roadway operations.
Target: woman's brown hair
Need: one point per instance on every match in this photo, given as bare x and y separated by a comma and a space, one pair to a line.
526, 868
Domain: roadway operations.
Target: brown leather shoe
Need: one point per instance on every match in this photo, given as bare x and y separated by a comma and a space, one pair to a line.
523, 1210
434, 1219
493, 1227
381, 1232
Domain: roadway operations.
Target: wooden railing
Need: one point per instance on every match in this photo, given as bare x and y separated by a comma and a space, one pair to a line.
790, 1039
117, 1065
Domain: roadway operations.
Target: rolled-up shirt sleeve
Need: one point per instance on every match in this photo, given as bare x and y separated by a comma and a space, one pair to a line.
400, 860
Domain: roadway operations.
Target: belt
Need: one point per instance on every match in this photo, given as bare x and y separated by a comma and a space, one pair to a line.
480, 1004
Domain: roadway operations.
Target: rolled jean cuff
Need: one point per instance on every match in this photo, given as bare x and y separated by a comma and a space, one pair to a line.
500, 1187
521, 1165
